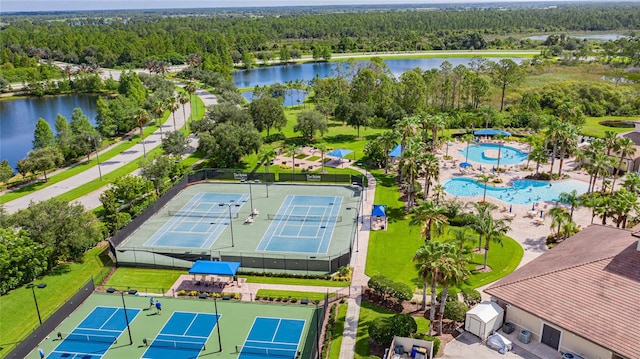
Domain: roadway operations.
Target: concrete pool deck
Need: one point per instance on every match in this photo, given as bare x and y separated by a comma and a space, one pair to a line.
524, 229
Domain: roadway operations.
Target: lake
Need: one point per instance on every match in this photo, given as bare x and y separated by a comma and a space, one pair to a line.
291, 98
264, 76
18, 120
599, 37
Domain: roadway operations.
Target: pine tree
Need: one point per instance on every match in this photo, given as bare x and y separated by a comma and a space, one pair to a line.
43, 136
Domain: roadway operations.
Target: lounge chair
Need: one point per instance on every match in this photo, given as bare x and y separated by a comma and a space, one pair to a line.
539, 221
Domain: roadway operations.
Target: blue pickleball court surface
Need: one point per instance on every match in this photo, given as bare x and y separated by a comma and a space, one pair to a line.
95, 335
199, 223
272, 337
183, 336
303, 224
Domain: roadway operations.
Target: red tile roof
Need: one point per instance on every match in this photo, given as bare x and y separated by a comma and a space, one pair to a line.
588, 285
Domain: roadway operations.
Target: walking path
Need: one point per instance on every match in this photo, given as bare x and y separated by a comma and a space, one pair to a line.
136, 152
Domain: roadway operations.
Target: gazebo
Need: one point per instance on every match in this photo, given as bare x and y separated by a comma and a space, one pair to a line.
215, 268
380, 213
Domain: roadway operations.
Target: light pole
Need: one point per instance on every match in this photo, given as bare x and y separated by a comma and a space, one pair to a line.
357, 229
364, 188
250, 195
230, 220
95, 145
35, 300
215, 304
126, 317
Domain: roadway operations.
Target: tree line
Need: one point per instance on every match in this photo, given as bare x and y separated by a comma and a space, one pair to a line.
222, 40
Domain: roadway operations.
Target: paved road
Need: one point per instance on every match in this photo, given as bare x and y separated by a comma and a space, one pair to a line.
133, 154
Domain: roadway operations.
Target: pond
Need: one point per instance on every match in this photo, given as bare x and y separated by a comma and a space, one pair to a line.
599, 37
617, 124
18, 120
264, 76
291, 98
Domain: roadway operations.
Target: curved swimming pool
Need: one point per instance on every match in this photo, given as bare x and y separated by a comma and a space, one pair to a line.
521, 191
488, 153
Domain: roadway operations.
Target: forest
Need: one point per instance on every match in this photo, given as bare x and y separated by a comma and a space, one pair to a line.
223, 38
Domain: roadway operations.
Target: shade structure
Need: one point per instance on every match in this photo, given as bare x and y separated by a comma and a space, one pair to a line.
491, 133
465, 164
379, 210
339, 152
228, 269
396, 151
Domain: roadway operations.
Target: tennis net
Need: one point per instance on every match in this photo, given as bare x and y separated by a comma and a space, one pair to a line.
200, 214
176, 344
275, 352
88, 337
302, 218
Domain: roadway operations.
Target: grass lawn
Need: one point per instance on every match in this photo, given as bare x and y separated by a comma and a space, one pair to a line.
18, 316
294, 281
292, 294
336, 337
368, 313
593, 128
390, 251
144, 279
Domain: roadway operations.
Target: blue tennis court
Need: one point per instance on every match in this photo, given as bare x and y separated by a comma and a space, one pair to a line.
272, 337
94, 336
302, 224
199, 223
183, 336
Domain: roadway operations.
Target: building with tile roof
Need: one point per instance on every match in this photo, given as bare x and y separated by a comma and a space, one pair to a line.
582, 296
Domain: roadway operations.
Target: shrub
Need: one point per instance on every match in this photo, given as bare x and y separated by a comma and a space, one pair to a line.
386, 286
382, 330
182, 292
194, 293
471, 296
434, 340
455, 310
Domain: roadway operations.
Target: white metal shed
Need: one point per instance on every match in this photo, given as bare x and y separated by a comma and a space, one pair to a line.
484, 319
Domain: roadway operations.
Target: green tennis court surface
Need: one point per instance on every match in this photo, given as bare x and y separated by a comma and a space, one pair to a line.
297, 227
187, 328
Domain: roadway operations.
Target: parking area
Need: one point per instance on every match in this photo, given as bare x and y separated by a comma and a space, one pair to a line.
467, 346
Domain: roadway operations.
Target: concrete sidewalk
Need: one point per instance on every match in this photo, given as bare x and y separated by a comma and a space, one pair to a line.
133, 154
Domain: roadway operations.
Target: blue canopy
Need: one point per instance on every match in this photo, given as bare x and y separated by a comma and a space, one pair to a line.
396, 151
339, 152
465, 164
228, 269
491, 133
379, 210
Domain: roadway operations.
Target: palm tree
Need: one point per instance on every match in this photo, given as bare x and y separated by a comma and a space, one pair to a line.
452, 270
632, 183
292, 150
571, 198
438, 193
625, 148
568, 139
609, 141
467, 138
460, 237
593, 201
322, 147
158, 110
388, 139
552, 132
623, 203
530, 140
172, 105
431, 167
425, 261
559, 217
495, 229
409, 169
184, 99
191, 89
68, 70
539, 156
483, 178
430, 217
406, 128
600, 164
142, 117
480, 218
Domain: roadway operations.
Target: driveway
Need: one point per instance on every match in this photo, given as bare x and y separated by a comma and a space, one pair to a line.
467, 346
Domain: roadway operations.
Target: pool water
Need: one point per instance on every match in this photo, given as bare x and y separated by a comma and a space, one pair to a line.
487, 153
522, 191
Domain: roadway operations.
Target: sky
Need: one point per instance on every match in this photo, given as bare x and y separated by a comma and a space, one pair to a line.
60, 5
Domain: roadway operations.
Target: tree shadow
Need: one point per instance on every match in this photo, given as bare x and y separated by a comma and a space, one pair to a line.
61, 269
340, 138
